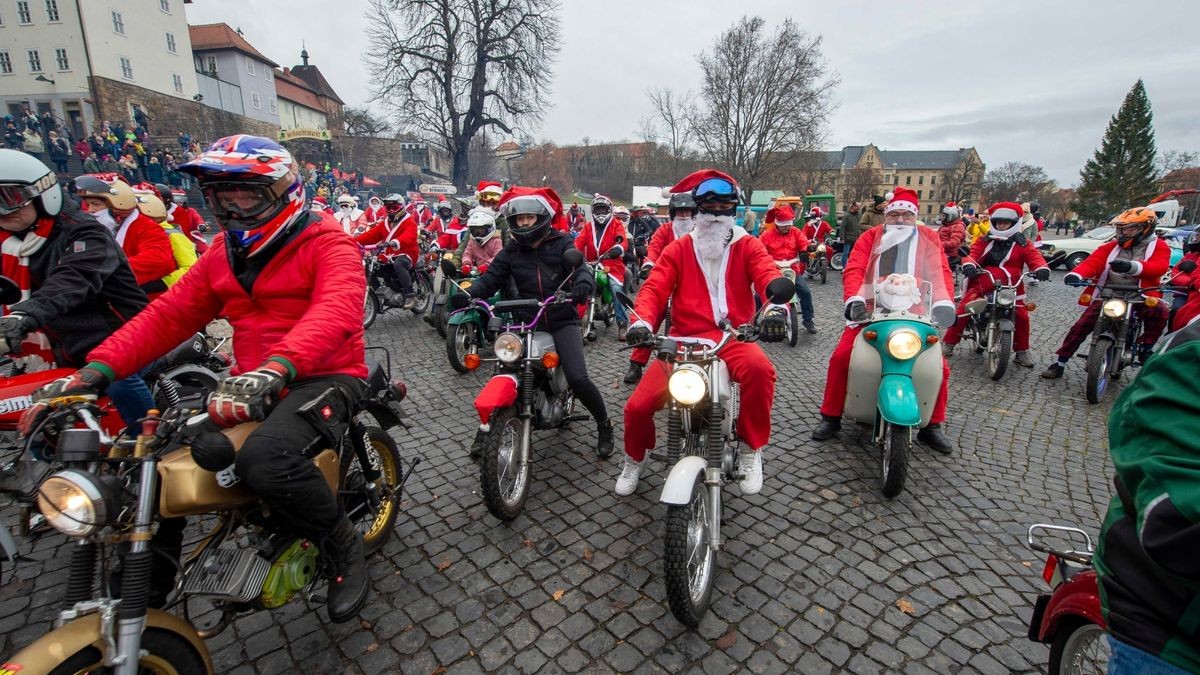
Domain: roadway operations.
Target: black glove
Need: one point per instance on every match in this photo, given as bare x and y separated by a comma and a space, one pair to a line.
773, 326
459, 300
1121, 266
14, 328
1187, 266
250, 396
86, 382
613, 253
972, 271
644, 273
856, 311
636, 335
580, 294
1042, 274
1072, 278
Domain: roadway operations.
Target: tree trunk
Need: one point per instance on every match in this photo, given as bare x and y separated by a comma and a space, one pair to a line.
462, 165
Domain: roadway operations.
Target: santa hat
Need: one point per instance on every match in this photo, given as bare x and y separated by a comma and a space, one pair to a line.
488, 187
780, 213
321, 201
547, 196
693, 180
902, 199
1005, 211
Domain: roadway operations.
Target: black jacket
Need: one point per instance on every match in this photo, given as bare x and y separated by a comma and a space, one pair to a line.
643, 228
82, 287
536, 281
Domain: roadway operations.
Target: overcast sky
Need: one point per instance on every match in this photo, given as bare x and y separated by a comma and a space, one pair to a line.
1028, 80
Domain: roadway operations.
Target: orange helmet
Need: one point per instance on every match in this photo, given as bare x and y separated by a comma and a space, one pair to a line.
1134, 225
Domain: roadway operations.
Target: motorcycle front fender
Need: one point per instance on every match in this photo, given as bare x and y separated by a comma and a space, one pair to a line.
389, 416
677, 489
499, 392
1007, 325
467, 316
898, 400
49, 651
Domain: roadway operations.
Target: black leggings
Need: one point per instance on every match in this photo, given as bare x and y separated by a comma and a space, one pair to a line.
569, 342
402, 274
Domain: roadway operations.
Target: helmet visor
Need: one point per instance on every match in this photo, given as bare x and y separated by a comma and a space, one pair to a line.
240, 206
524, 205
601, 209
716, 190
14, 197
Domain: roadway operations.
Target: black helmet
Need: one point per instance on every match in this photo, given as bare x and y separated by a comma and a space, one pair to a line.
681, 200
527, 205
1034, 208
164, 193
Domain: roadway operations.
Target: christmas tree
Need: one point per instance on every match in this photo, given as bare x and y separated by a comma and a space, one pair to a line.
1121, 174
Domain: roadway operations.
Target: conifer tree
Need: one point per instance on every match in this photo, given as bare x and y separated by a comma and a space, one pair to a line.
1122, 173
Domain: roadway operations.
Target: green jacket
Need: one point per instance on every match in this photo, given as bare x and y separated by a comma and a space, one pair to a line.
1148, 559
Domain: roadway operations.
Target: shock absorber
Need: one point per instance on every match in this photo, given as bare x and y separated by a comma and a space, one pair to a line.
81, 573
525, 391
674, 434
170, 390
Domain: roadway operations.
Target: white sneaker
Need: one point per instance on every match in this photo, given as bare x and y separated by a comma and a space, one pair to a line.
750, 466
627, 482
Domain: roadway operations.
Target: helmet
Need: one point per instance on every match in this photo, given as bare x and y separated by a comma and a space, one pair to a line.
621, 213
393, 202
444, 209
109, 187
346, 200
151, 206
1134, 225
719, 190
24, 179
952, 212
527, 205
482, 225
1193, 242
681, 200
252, 187
1035, 208
179, 196
602, 209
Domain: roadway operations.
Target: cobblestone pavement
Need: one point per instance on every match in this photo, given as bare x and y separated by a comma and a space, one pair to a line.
819, 574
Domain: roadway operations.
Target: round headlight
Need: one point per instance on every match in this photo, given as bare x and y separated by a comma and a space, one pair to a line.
904, 344
687, 385
1006, 297
508, 347
1114, 309
73, 503
821, 248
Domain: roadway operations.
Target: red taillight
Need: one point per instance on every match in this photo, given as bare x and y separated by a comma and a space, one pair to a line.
1051, 569
399, 390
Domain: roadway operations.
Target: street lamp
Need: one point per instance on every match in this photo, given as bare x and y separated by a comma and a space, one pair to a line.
43, 78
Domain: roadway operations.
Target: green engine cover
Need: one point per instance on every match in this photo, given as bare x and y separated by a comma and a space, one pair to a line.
292, 571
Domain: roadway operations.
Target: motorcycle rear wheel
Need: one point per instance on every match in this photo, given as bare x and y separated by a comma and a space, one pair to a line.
838, 262
897, 442
999, 350
163, 653
375, 523
370, 308
459, 342
441, 319
503, 477
1098, 361
424, 290
689, 561
1079, 647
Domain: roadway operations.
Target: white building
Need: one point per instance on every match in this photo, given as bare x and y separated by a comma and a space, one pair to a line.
48, 50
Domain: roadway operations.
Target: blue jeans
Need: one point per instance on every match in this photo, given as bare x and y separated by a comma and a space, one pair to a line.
1129, 660
132, 398
618, 306
805, 294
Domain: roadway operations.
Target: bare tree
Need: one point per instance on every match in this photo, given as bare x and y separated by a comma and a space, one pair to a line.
1018, 182
860, 183
738, 120
1178, 170
670, 111
363, 122
547, 165
452, 68
963, 181
647, 131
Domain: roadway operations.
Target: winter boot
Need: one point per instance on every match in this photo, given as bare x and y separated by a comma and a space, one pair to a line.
827, 428
621, 328
410, 301
604, 442
1054, 372
810, 327
933, 437
634, 373
1022, 359
348, 577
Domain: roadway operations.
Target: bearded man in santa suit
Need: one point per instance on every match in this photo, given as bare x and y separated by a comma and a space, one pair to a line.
709, 276
908, 252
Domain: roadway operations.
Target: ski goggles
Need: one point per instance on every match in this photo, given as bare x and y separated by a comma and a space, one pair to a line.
239, 205
716, 190
13, 198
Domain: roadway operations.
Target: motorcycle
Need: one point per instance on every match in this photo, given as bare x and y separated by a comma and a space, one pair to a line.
601, 308
818, 261
467, 330
445, 285
1068, 618
792, 306
528, 391
373, 304
110, 494
991, 324
837, 261
632, 279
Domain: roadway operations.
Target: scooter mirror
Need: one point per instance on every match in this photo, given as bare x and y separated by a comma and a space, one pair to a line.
623, 298
448, 268
573, 257
10, 292
781, 290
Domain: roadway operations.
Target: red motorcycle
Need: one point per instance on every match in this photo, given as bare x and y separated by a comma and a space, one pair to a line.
1068, 618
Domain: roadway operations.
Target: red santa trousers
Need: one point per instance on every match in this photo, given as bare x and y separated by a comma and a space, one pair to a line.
1020, 320
839, 372
748, 366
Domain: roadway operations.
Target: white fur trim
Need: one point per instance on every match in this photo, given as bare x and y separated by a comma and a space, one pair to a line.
1137, 268
854, 298
900, 205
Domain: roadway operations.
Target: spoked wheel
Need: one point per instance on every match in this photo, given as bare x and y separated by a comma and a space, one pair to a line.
374, 515
503, 475
999, 350
690, 561
793, 326
163, 653
838, 261
1080, 648
370, 308
824, 271
1098, 361
424, 289
462, 339
897, 441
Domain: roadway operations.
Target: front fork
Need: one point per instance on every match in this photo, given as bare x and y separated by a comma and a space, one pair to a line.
525, 399
135, 587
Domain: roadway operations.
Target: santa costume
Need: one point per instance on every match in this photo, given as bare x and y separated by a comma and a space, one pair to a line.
353, 219
447, 233
659, 241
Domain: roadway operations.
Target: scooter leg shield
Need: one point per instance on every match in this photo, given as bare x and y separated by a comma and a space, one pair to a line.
899, 403
677, 489
499, 392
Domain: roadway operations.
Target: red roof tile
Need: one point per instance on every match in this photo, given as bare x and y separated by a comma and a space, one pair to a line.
220, 36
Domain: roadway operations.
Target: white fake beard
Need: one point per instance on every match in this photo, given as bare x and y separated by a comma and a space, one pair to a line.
1003, 234
711, 233
105, 219
682, 226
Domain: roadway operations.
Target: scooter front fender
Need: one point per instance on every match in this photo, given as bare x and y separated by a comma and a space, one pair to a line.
677, 489
898, 400
49, 651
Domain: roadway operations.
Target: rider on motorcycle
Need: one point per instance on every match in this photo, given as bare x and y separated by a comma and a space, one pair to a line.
1184, 274
601, 235
1005, 253
815, 229
896, 234
152, 206
785, 242
1135, 258
291, 285
709, 276
399, 227
483, 242
534, 262
188, 219
446, 227
953, 232
682, 209
349, 216
111, 200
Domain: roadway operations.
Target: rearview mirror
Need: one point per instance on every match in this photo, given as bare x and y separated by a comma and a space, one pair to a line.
10, 292
573, 257
623, 298
781, 290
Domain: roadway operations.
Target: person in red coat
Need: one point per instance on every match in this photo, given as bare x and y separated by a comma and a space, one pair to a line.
1184, 275
953, 231
446, 228
816, 228
1135, 258
399, 230
916, 252
292, 287
374, 214
789, 249
709, 276
1001, 256
189, 220
603, 236
112, 201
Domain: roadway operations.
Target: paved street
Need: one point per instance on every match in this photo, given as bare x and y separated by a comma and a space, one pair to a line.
820, 573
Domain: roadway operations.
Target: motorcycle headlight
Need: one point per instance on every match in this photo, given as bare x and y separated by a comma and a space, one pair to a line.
904, 344
1006, 297
508, 347
821, 248
75, 503
1114, 309
687, 385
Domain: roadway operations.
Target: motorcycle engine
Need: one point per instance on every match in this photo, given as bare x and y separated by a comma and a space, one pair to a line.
291, 572
549, 410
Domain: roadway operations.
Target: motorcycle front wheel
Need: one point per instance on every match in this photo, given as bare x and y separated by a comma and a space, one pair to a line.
689, 561
462, 339
999, 350
163, 653
376, 522
1079, 647
793, 326
370, 308
424, 290
588, 326
441, 319
897, 442
503, 475
824, 271
1098, 361
838, 261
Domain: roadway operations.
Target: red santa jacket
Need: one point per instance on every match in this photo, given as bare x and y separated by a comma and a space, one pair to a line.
147, 247
1148, 267
793, 246
953, 236
1009, 268
1189, 279
300, 310
696, 311
856, 267
449, 234
614, 235
659, 241
374, 215
189, 221
404, 232
816, 229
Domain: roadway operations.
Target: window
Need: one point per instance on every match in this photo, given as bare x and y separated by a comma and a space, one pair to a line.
887, 178
929, 208
60, 58
212, 66
255, 100
52, 10
23, 15
126, 68
5, 63
271, 105
249, 67
165, 5
933, 180
178, 83
171, 43
908, 180
35, 61
270, 76
920, 195
920, 180
118, 22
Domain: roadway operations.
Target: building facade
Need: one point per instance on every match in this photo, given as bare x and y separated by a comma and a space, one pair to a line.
221, 55
299, 106
937, 176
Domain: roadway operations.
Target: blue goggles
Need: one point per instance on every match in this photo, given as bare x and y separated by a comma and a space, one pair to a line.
716, 189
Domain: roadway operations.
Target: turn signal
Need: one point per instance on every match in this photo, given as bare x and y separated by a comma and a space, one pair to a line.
1152, 302
550, 359
1030, 306
472, 361
931, 339
1085, 299
870, 335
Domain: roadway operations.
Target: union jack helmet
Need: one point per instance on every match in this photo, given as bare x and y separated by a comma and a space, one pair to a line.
253, 187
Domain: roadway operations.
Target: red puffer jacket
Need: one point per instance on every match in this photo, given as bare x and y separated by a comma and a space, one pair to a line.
306, 309
404, 232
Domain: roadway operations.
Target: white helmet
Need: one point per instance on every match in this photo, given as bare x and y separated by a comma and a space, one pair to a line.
481, 224
347, 199
24, 179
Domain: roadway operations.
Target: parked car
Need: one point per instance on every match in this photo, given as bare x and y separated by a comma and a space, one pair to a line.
1067, 253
